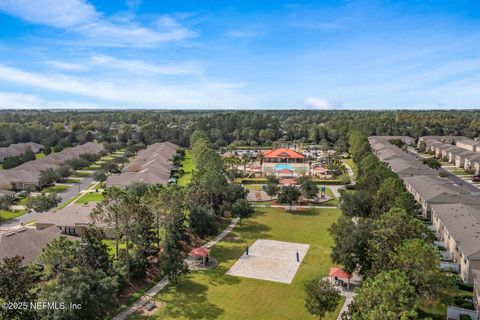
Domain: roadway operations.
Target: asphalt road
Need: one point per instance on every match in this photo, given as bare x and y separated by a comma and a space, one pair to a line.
75, 189
66, 195
455, 179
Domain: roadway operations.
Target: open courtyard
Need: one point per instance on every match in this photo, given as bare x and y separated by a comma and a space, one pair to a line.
214, 294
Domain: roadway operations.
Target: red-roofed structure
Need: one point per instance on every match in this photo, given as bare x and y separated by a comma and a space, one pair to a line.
285, 172
202, 253
199, 252
283, 155
339, 273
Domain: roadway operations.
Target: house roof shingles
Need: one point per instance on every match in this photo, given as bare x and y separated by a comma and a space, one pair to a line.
463, 223
25, 242
151, 166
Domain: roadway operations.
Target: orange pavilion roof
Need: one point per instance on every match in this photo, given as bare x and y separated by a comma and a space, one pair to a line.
283, 153
339, 273
199, 252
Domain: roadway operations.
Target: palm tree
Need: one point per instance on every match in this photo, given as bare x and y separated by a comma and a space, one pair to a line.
246, 158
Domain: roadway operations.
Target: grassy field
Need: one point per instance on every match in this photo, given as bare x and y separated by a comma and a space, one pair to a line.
188, 166
214, 295
57, 189
72, 180
7, 215
90, 197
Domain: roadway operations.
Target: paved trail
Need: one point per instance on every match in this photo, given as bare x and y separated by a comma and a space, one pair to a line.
164, 282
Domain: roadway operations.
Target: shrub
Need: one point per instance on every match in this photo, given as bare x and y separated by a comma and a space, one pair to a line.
138, 266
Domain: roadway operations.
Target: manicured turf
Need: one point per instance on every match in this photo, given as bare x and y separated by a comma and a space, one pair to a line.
81, 174
212, 294
7, 215
22, 201
57, 189
72, 180
90, 197
187, 166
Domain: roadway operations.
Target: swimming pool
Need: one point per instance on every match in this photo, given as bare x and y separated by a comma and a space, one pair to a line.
283, 166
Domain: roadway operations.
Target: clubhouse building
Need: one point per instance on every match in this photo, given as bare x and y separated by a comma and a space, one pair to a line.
284, 162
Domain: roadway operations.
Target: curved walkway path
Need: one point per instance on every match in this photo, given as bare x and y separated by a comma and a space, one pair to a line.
164, 282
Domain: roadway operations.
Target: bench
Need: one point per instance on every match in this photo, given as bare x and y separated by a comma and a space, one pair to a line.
150, 305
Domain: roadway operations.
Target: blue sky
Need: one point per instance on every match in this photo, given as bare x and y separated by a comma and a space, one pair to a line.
239, 54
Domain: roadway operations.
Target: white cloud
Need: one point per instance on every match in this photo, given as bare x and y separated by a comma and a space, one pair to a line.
61, 14
127, 66
81, 18
142, 67
133, 92
133, 4
17, 100
67, 66
321, 103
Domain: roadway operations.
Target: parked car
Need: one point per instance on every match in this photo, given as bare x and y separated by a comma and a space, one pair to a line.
476, 178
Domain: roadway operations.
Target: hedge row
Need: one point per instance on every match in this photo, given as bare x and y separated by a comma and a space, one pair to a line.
264, 181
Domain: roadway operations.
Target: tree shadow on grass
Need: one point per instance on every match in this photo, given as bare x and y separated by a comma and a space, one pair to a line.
188, 299
253, 230
308, 212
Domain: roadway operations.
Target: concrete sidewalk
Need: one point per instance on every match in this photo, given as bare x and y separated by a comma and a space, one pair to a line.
164, 282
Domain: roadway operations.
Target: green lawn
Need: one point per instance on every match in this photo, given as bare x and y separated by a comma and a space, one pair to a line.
111, 246
90, 197
72, 180
188, 166
57, 189
39, 155
212, 294
80, 174
22, 201
458, 171
7, 215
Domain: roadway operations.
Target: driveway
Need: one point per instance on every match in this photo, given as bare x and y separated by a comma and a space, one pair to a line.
65, 196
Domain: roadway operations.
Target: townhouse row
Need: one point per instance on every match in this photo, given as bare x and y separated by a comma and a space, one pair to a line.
152, 165
26, 176
454, 212
460, 151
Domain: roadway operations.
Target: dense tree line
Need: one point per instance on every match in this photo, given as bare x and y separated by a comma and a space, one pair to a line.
58, 130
